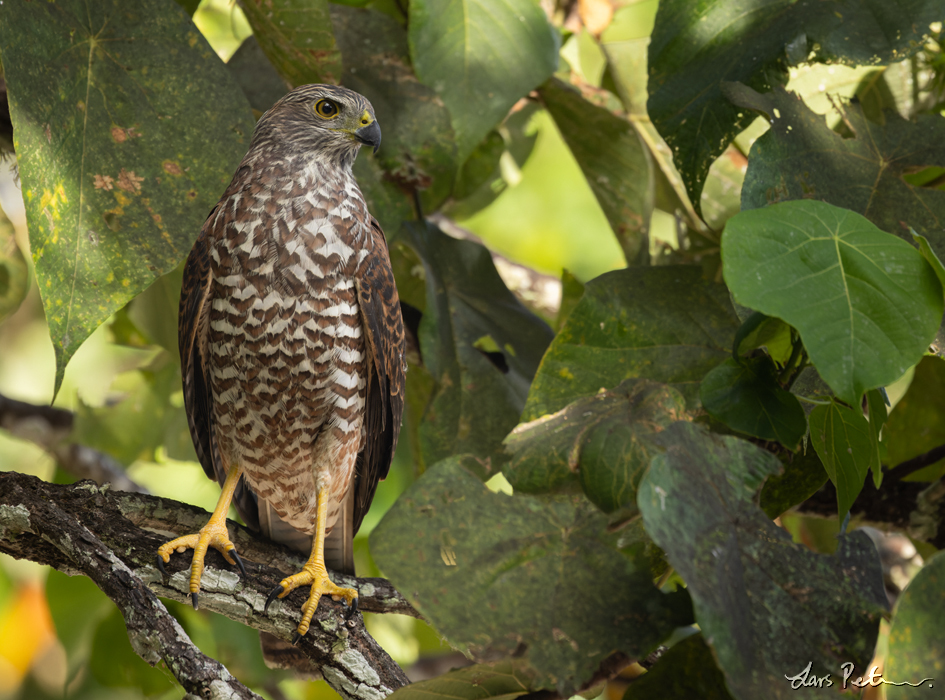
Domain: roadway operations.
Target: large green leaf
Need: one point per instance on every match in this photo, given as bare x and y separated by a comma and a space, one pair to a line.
540, 578
752, 587
297, 37
601, 443
481, 57
128, 128
802, 477
800, 157
746, 396
865, 303
636, 322
505, 680
915, 425
418, 150
479, 342
842, 438
258, 78
695, 47
916, 657
613, 160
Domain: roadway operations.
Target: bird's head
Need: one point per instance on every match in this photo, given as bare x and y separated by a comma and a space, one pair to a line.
330, 120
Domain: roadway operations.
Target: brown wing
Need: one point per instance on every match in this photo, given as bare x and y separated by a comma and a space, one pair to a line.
383, 327
193, 325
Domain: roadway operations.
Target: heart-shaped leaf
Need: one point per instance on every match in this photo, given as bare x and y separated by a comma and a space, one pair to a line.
538, 578
865, 303
749, 582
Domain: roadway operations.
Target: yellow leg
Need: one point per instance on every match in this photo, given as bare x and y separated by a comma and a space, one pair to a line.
213, 534
314, 573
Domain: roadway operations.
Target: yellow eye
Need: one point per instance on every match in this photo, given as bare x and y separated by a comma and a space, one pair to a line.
326, 109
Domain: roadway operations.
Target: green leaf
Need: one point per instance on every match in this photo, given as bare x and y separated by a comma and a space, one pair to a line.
636, 323
917, 639
746, 397
930, 257
750, 584
297, 37
877, 414
601, 442
915, 425
613, 160
505, 680
481, 57
518, 139
117, 179
479, 394
684, 672
540, 578
481, 168
843, 440
758, 331
693, 50
865, 303
259, 80
800, 157
802, 477
14, 273
572, 289
418, 151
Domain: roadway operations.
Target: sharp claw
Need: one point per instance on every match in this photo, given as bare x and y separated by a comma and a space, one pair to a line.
351, 610
272, 596
239, 562
295, 638
193, 598
160, 561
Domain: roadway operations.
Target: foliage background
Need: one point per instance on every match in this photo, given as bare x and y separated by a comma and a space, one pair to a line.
546, 218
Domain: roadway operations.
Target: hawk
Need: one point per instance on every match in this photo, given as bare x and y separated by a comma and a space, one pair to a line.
292, 343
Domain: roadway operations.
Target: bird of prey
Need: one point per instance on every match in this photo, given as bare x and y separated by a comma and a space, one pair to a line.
292, 343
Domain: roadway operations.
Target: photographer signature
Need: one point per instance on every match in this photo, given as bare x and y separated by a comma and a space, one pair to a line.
806, 679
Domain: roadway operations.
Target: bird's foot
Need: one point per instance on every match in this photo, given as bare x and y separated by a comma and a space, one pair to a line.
317, 578
213, 534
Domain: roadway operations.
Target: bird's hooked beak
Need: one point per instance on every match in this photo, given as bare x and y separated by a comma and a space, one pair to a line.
369, 133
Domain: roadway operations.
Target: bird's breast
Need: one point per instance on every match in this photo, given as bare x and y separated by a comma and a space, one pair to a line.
286, 351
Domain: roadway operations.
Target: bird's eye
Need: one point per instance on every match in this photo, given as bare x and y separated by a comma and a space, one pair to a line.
326, 109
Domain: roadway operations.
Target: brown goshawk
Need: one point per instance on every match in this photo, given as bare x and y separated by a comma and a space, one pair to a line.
292, 343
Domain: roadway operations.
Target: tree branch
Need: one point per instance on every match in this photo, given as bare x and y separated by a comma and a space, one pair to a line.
49, 428
910, 466
914, 507
112, 537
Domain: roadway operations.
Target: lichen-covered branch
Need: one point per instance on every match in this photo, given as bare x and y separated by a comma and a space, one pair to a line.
49, 428
112, 537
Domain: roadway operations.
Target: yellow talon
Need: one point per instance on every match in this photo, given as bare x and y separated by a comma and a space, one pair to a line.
316, 577
213, 534
314, 574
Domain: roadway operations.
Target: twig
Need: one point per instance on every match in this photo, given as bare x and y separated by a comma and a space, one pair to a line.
81, 528
49, 428
910, 466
